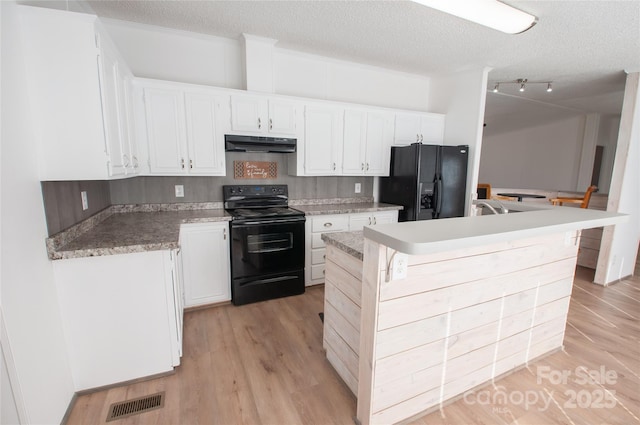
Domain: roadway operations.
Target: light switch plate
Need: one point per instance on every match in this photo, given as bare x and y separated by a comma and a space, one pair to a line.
358, 188
179, 191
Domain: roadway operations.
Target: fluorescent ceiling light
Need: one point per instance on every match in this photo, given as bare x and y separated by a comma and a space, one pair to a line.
490, 13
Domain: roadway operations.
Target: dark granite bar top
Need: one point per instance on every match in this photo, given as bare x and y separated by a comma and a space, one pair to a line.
350, 242
345, 208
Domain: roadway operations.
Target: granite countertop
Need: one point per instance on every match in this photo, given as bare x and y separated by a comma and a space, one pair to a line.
345, 208
123, 229
127, 232
350, 242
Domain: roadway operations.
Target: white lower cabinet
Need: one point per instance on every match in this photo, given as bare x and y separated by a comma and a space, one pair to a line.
121, 315
205, 263
315, 226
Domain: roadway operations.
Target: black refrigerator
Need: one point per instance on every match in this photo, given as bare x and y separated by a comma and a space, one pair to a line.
429, 181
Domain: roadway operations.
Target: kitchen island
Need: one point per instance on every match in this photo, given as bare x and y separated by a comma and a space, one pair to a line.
418, 313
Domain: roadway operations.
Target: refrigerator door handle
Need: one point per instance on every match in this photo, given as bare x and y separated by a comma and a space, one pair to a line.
438, 196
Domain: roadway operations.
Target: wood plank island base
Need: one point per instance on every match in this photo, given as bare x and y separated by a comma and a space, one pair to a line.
467, 312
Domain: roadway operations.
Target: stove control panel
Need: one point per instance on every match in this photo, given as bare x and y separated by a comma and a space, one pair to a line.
254, 191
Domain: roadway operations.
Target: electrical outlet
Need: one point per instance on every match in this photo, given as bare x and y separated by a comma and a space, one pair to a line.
85, 200
358, 188
399, 267
179, 191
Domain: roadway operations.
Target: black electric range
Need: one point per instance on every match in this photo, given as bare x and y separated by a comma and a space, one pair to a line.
267, 243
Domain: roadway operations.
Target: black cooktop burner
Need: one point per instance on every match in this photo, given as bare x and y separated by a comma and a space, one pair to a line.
264, 212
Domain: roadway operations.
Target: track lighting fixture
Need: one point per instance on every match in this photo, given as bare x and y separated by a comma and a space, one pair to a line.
523, 83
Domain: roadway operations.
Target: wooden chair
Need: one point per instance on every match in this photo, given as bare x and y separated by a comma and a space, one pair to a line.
584, 201
504, 198
484, 191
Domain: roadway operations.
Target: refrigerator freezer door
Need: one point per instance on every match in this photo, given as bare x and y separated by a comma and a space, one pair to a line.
401, 187
453, 181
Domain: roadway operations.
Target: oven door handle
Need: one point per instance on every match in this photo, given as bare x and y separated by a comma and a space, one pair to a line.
256, 223
272, 280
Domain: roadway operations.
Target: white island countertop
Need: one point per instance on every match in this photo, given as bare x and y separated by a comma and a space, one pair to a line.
429, 236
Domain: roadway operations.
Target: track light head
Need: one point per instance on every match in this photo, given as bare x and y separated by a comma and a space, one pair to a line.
496, 88
549, 88
521, 87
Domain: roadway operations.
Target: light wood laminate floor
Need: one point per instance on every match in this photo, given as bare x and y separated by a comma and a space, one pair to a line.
263, 363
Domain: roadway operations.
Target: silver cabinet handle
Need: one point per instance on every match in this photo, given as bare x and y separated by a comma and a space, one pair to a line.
367, 166
259, 123
125, 159
417, 137
270, 124
191, 163
135, 161
369, 221
375, 221
182, 163
334, 166
224, 234
328, 224
362, 166
421, 137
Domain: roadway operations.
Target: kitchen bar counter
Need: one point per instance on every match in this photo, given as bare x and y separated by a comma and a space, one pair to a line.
438, 308
430, 236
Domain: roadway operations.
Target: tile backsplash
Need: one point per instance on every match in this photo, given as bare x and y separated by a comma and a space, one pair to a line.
63, 207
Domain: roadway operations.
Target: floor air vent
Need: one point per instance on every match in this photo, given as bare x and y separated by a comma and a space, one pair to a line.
133, 407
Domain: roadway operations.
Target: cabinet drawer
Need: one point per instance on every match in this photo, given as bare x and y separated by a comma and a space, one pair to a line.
331, 223
318, 256
317, 272
316, 241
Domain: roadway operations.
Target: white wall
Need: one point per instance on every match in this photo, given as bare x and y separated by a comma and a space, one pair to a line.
619, 246
28, 296
608, 138
462, 98
301, 74
187, 57
166, 54
545, 157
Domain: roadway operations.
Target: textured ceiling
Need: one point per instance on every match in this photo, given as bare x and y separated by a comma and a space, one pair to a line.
584, 47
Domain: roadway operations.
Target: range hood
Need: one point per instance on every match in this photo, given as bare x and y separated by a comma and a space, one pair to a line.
235, 143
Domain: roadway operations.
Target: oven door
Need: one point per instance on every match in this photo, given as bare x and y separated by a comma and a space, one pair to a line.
266, 247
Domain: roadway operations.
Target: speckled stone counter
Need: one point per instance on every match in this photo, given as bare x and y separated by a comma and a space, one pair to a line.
350, 242
345, 208
127, 232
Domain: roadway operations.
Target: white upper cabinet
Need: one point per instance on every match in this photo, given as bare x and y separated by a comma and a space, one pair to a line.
423, 128
77, 90
368, 136
355, 142
184, 131
261, 115
322, 140
205, 140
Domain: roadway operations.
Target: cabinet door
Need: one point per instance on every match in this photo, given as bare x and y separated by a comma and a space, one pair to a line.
249, 113
432, 129
323, 140
379, 141
384, 217
205, 263
166, 131
112, 115
358, 221
204, 139
354, 142
407, 129
282, 117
